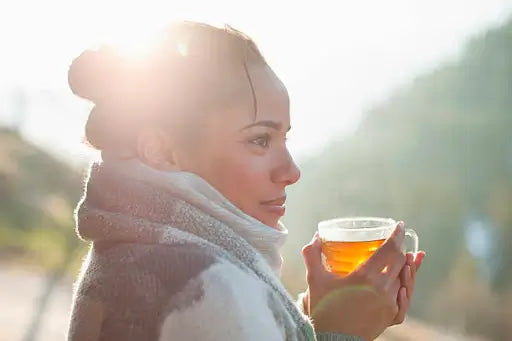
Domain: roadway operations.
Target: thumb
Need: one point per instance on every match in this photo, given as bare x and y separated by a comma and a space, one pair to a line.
312, 253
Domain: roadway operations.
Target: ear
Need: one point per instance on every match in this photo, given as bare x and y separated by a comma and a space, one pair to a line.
156, 149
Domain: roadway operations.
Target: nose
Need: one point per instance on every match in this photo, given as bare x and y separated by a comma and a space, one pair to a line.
287, 172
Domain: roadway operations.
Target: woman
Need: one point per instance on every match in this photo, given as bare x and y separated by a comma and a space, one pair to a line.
183, 211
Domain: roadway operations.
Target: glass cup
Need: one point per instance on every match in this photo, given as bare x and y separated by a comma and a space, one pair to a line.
348, 242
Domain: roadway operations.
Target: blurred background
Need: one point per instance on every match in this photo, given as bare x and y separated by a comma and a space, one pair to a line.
399, 109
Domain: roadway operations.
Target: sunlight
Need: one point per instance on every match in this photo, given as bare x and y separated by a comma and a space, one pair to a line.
183, 49
134, 44
133, 50
133, 31
415, 38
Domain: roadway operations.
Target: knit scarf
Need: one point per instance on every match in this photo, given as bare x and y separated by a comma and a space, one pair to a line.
128, 201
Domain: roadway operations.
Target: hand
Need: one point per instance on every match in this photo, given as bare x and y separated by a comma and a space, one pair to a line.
407, 280
363, 303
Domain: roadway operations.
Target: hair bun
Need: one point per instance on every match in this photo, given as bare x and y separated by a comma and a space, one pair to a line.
93, 73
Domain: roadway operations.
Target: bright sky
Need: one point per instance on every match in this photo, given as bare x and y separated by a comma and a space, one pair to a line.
336, 57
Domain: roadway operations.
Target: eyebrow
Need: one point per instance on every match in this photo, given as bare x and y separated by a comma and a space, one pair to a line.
269, 124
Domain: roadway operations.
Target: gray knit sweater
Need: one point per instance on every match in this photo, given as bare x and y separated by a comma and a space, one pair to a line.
172, 259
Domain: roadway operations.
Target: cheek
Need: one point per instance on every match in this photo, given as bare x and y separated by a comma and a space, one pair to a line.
242, 179
240, 176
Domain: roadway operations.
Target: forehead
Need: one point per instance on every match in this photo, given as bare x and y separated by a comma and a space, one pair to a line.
271, 96
270, 99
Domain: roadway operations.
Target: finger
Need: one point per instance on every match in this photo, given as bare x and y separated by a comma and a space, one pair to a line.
409, 258
395, 287
420, 256
406, 279
414, 270
393, 294
310, 250
395, 266
388, 253
403, 306
312, 253
394, 271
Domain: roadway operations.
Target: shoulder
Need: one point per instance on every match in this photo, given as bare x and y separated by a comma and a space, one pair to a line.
171, 266
173, 271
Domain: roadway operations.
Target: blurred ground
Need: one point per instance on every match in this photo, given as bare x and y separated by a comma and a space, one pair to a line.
19, 290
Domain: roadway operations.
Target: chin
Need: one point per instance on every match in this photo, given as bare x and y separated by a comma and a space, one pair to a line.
271, 222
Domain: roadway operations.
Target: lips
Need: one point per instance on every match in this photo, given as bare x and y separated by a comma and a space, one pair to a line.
275, 202
275, 206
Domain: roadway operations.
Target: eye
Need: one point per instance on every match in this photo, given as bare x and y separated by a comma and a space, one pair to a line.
262, 141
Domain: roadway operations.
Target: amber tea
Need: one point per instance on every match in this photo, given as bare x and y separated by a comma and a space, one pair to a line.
348, 242
344, 257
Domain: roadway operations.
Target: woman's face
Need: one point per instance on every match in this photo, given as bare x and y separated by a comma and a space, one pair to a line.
245, 156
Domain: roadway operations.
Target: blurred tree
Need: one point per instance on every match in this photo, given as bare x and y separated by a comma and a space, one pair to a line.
435, 153
37, 195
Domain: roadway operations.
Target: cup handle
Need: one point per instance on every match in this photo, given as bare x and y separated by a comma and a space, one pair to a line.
412, 234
